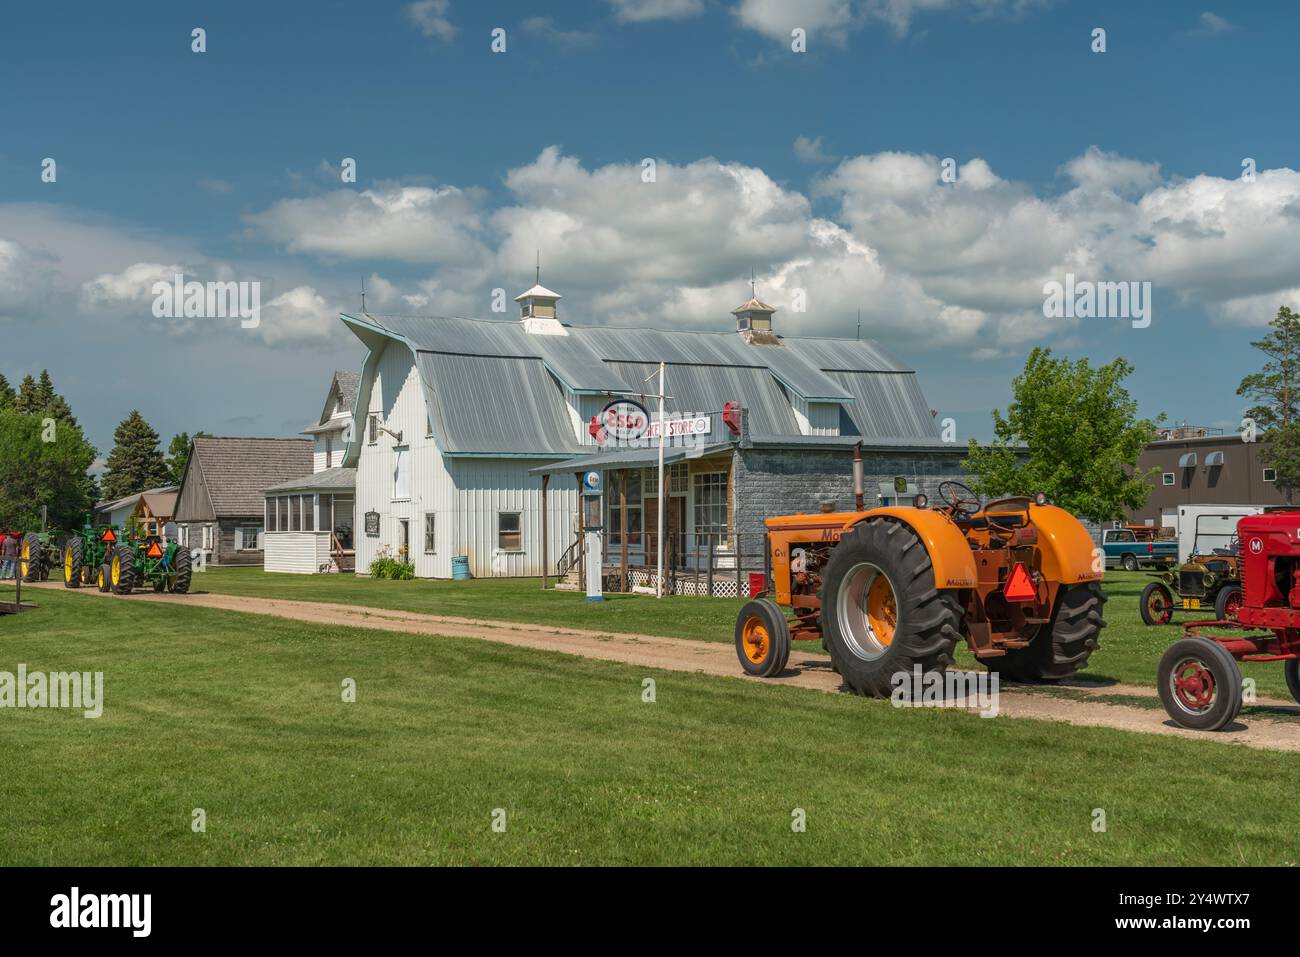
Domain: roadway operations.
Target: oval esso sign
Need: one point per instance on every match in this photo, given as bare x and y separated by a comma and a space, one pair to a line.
625, 420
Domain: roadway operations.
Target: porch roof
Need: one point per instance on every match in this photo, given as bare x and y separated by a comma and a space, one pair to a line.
630, 458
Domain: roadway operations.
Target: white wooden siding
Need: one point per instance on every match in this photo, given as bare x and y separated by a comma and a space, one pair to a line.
464, 494
815, 418
302, 553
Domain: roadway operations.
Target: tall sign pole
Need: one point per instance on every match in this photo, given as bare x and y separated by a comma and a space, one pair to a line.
663, 505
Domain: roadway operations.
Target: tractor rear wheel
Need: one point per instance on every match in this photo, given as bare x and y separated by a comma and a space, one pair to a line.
881, 614
762, 638
1292, 671
121, 568
30, 554
72, 563
1065, 646
180, 584
1200, 684
1156, 604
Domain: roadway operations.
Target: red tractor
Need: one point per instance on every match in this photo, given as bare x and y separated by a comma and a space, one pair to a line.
1198, 678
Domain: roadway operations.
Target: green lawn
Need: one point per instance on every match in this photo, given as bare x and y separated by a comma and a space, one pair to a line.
241, 715
1130, 650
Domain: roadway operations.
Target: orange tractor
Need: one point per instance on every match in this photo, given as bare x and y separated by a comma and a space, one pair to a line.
890, 589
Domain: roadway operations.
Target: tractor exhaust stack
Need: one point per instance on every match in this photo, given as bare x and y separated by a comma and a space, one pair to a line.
857, 477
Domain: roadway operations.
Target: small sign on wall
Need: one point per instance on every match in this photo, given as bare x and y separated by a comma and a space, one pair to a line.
372, 524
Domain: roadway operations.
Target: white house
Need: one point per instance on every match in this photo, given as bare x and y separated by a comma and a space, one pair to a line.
309, 519
469, 434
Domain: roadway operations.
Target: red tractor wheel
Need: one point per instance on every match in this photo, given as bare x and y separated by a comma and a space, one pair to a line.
1156, 604
1199, 684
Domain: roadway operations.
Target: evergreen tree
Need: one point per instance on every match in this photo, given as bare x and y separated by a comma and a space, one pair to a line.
136, 462
7, 394
27, 402
1275, 390
49, 402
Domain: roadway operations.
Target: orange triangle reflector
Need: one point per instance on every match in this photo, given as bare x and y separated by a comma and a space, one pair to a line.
108, 536
153, 551
1019, 586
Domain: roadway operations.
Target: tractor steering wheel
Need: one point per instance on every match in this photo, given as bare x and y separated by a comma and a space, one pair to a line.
951, 495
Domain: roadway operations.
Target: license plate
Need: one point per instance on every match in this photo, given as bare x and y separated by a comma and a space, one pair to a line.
1191, 603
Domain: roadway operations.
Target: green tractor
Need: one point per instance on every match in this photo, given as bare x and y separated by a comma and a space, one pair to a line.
37, 554
86, 551
147, 563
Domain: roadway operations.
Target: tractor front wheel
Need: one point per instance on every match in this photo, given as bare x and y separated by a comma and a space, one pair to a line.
102, 581
1200, 684
881, 614
762, 638
179, 584
1156, 604
121, 568
1066, 646
72, 563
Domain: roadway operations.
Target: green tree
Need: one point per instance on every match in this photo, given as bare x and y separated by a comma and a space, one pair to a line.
7, 394
1275, 390
178, 454
27, 401
40, 465
1083, 437
136, 462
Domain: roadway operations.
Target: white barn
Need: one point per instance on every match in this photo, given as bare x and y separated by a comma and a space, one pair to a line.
461, 426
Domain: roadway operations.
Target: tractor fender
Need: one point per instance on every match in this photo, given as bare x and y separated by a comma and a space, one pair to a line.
950, 553
1065, 547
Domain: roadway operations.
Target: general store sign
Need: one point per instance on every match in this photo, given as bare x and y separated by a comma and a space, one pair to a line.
673, 428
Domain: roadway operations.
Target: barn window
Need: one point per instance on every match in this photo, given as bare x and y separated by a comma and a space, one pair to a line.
401, 473
372, 430
1270, 475
510, 537
1167, 478
430, 540
247, 539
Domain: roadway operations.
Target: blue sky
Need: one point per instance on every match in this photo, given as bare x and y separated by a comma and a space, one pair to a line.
1123, 165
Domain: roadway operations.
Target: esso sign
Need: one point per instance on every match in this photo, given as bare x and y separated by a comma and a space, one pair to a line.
625, 420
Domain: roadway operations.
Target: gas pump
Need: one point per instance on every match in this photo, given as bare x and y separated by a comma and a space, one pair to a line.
592, 524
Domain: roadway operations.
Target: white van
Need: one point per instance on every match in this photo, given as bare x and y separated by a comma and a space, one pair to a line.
1203, 529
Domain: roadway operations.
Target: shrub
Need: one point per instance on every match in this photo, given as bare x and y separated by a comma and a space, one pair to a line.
387, 565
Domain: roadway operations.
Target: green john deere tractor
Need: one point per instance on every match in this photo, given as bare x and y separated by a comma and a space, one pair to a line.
146, 563
37, 554
86, 551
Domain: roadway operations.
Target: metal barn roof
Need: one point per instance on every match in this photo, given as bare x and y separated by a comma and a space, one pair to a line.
474, 368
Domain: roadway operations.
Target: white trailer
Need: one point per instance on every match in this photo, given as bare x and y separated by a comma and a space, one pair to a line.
1203, 529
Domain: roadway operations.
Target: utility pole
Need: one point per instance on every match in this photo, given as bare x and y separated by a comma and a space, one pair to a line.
659, 585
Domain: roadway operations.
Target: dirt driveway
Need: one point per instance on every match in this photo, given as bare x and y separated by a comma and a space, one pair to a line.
1069, 704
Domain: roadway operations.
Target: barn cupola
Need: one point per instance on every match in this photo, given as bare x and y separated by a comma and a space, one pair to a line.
538, 309
754, 319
